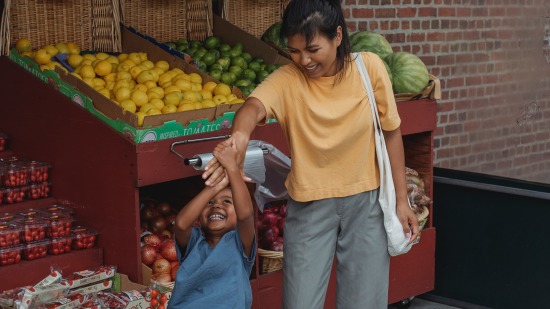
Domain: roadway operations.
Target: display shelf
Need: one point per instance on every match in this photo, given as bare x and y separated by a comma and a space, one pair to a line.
102, 172
31, 272
19, 207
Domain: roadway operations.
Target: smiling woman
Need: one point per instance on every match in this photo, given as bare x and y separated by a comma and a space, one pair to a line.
333, 196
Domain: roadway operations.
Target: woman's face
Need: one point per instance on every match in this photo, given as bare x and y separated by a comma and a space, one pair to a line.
318, 59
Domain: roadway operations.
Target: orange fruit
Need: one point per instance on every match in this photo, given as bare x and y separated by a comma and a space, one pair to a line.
103, 68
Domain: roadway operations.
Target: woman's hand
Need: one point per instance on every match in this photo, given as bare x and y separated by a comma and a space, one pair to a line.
409, 221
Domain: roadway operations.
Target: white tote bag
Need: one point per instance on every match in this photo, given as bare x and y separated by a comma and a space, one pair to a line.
397, 240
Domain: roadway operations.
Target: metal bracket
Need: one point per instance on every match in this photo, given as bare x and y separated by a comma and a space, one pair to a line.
188, 141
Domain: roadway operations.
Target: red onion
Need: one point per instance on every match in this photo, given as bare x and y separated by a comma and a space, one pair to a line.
168, 250
148, 255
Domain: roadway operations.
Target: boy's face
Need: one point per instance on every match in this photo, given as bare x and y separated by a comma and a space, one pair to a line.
218, 216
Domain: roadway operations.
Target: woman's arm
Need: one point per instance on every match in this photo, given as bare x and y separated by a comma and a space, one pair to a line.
394, 145
246, 119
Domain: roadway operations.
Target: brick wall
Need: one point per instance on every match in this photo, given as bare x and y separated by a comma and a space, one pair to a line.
494, 115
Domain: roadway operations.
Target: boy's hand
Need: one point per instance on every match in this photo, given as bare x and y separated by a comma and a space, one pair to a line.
226, 153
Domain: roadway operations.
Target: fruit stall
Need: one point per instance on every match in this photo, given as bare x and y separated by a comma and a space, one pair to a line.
110, 159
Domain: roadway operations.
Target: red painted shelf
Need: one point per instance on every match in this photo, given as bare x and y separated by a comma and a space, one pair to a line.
102, 173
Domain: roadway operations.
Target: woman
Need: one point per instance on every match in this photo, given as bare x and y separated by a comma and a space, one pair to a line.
321, 104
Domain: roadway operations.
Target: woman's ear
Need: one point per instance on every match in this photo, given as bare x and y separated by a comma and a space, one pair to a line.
338, 37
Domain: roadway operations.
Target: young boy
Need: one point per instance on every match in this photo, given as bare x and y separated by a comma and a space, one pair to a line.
216, 259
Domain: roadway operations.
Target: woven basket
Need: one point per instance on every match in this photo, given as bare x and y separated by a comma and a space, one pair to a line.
91, 24
253, 16
169, 20
423, 217
271, 260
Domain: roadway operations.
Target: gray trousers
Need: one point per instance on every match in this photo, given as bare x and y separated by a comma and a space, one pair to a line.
350, 227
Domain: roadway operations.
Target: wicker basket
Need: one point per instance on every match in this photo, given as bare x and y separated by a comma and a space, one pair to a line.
91, 24
169, 20
253, 16
271, 260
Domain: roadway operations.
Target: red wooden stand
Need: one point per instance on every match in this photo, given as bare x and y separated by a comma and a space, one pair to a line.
102, 173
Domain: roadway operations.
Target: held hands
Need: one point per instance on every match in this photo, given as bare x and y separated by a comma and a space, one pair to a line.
408, 220
214, 171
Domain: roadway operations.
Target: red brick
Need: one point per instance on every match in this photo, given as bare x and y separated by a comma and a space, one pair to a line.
446, 12
427, 12
385, 13
463, 12
362, 13
406, 12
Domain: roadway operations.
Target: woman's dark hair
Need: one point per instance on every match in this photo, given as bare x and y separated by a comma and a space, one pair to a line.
309, 17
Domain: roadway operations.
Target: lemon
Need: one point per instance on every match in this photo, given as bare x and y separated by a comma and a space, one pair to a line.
128, 105
89, 81
101, 56
144, 76
62, 48
164, 79
142, 56
50, 49
186, 107
183, 75
151, 84
141, 87
206, 94
23, 45
139, 97
89, 56
236, 101
172, 98
99, 82
183, 85
162, 64
190, 95
74, 60
209, 86
73, 48
171, 88
111, 77
222, 89
105, 92
87, 71
86, 61
198, 105
153, 111
148, 64
123, 76
167, 109
42, 57
230, 97
123, 93
123, 67
135, 70
157, 103
196, 87
146, 107
135, 58
151, 94
140, 117
122, 56
219, 99
112, 59
103, 67
208, 103
176, 71
195, 78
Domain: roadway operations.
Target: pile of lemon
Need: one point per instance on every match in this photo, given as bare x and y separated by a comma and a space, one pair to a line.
144, 87
43, 56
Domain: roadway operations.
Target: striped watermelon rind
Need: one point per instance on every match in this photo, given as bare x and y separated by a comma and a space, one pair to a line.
409, 73
368, 41
272, 35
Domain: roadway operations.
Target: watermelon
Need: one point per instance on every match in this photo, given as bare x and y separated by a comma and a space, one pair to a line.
369, 41
409, 73
271, 35
389, 71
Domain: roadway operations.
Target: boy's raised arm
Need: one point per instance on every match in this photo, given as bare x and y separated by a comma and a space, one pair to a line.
227, 155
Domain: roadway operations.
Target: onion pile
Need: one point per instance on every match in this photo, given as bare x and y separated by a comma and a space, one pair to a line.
271, 226
158, 249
